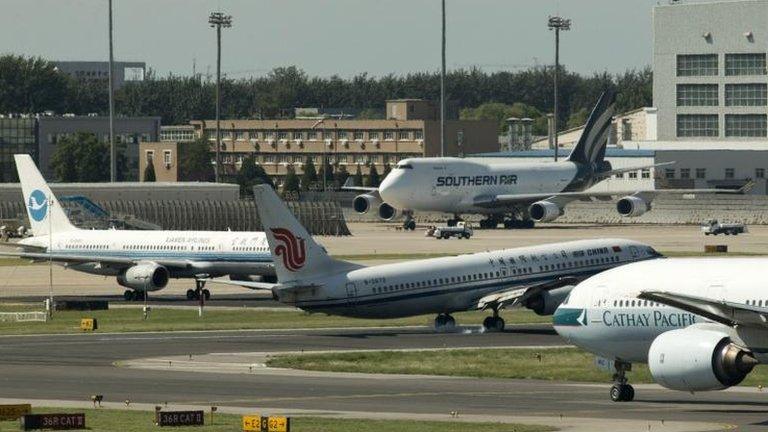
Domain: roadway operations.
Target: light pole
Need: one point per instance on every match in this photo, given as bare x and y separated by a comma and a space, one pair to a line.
112, 150
218, 20
442, 89
557, 23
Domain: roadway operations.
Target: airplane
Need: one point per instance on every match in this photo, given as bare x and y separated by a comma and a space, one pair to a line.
141, 261
699, 324
536, 277
517, 194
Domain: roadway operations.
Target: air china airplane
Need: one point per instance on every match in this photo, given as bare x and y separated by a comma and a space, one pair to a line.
517, 194
537, 277
700, 324
141, 260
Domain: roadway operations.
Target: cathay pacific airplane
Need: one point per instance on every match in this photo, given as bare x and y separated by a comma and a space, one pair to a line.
699, 324
537, 277
141, 260
517, 194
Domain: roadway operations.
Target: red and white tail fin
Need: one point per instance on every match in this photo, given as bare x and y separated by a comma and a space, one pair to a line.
296, 255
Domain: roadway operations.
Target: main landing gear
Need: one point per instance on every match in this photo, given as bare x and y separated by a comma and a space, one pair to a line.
445, 323
494, 323
455, 221
621, 391
409, 223
134, 295
199, 289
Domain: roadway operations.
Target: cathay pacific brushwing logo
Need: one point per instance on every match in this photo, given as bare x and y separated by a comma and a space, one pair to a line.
291, 249
37, 205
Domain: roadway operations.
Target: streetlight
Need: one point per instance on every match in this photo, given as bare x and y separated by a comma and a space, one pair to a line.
557, 23
442, 86
112, 150
218, 20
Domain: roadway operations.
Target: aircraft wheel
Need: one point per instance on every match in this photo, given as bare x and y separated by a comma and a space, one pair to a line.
129, 295
440, 322
622, 393
450, 323
529, 223
207, 294
410, 225
493, 324
191, 294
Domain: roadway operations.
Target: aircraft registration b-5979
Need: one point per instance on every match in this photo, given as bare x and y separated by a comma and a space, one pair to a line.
537, 277
517, 194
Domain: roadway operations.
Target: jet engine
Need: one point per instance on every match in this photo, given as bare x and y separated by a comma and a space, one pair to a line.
632, 206
547, 302
144, 277
694, 359
544, 211
365, 202
388, 213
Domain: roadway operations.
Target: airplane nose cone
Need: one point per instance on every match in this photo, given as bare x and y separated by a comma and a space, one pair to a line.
392, 187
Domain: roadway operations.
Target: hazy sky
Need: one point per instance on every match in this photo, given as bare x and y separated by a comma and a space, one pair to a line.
326, 37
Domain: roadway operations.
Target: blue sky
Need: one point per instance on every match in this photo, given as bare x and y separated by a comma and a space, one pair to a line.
326, 37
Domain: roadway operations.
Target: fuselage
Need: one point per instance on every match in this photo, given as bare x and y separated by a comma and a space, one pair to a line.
450, 284
215, 253
603, 314
452, 185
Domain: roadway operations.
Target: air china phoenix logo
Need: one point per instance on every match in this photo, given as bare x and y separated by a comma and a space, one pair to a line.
292, 249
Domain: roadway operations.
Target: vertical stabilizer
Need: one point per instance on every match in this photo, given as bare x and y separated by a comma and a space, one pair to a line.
594, 139
44, 210
295, 253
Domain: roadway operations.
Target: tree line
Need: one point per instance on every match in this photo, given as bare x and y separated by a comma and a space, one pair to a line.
32, 85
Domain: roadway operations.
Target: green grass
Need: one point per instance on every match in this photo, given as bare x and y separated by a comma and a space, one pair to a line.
559, 364
16, 262
108, 420
131, 320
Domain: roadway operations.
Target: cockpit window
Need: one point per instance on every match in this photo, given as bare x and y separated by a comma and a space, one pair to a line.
404, 166
652, 252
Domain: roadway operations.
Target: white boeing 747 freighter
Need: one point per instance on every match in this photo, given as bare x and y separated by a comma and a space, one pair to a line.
140, 260
537, 277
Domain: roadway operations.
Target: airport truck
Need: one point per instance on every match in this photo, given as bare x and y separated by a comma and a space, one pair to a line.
461, 230
714, 227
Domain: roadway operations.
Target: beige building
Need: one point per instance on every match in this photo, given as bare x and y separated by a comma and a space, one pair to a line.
165, 158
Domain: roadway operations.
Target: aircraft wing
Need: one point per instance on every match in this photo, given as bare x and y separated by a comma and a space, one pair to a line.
518, 296
245, 284
360, 188
633, 168
724, 312
106, 260
26, 247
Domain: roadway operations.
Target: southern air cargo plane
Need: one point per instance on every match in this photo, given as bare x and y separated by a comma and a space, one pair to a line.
538, 277
141, 260
700, 324
517, 194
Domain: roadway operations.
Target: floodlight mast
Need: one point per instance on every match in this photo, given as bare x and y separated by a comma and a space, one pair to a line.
218, 20
557, 23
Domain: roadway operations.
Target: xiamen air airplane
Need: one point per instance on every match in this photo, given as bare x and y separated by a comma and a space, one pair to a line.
537, 277
699, 324
517, 194
140, 260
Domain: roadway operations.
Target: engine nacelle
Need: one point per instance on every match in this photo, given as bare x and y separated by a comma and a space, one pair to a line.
365, 202
144, 277
693, 359
547, 302
544, 211
632, 206
388, 213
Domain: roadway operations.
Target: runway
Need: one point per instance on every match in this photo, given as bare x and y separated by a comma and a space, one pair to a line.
75, 366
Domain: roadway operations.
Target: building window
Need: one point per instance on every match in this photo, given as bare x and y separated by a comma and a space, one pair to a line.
746, 125
269, 135
669, 173
359, 135
745, 64
150, 156
343, 134
389, 135
759, 172
240, 135
361, 158
270, 158
645, 173
701, 173
328, 135
620, 175
167, 159
729, 173
342, 158
418, 135
632, 175
297, 135
373, 135
312, 135
685, 173
403, 135
697, 125
697, 65
746, 95
696, 95
282, 135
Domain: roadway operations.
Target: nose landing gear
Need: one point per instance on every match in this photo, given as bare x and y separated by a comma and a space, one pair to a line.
621, 391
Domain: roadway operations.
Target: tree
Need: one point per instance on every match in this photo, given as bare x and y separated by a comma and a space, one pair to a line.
309, 178
81, 158
291, 182
326, 172
358, 176
500, 112
250, 175
373, 177
578, 118
149, 172
387, 170
340, 176
31, 85
195, 164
